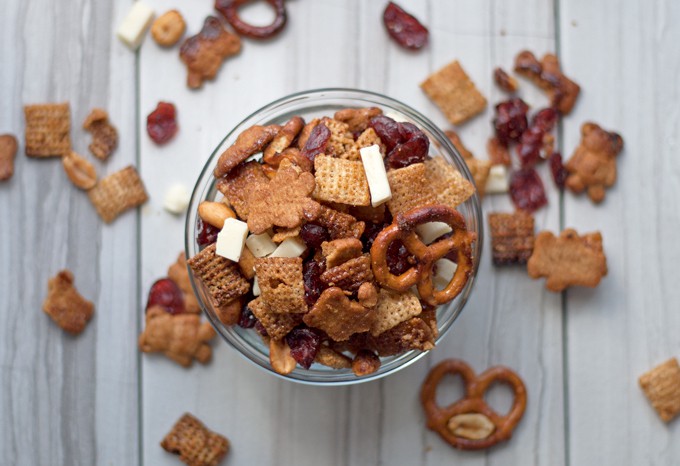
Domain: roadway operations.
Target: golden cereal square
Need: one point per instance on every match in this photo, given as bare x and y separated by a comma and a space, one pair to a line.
454, 93
342, 181
48, 130
662, 387
117, 193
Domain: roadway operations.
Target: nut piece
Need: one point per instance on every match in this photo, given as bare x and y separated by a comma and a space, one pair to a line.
365, 362
81, 172
168, 28
473, 426
280, 358
8, 150
215, 213
504, 81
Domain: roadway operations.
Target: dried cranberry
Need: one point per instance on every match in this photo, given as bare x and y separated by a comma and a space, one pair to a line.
161, 124
545, 119
408, 153
408, 131
406, 30
313, 235
311, 274
530, 145
247, 319
260, 329
526, 190
304, 344
388, 131
399, 260
370, 232
207, 234
317, 142
510, 120
166, 293
559, 173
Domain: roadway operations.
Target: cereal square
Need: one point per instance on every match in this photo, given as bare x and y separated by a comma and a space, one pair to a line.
394, 308
350, 274
281, 285
117, 193
195, 444
410, 189
338, 316
339, 180
276, 324
341, 141
48, 130
662, 387
512, 237
448, 184
454, 93
221, 277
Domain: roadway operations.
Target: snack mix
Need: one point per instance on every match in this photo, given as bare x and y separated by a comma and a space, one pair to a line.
338, 243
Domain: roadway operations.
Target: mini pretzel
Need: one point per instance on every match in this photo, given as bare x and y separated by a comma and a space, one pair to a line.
229, 9
473, 403
459, 243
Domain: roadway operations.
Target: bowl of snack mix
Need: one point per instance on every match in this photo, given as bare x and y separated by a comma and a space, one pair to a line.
333, 237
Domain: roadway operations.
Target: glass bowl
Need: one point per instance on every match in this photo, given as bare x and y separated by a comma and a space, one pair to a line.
310, 104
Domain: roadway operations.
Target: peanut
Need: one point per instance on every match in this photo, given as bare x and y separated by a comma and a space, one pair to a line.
279, 357
365, 362
215, 213
8, 150
473, 426
81, 172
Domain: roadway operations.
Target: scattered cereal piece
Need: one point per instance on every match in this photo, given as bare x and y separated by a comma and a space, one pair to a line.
331, 358
195, 444
341, 140
203, 53
365, 362
339, 180
238, 181
454, 93
504, 81
8, 151
282, 234
177, 199
448, 184
168, 28
350, 274
568, 260
104, 134
592, 167
512, 237
281, 285
394, 308
411, 334
410, 189
48, 130
339, 224
357, 118
117, 193
283, 201
662, 387
67, 308
338, 316
181, 337
249, 142
339, 251
179, 274
277, 325
220, 276
133, 28
81, 172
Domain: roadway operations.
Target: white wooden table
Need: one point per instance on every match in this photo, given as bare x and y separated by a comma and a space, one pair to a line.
95, 400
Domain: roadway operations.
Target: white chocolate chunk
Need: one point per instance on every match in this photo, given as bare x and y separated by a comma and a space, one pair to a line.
133, 28
256, 287
497, 183
430, 231
446, 269
374, 166
177, 199
291, 247
260, 245
231, 239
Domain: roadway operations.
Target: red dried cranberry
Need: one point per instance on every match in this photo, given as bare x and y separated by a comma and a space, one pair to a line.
410, 152
161, 124
559, 173
510, 120
408, 131
545, 119
207, 234
399, 260
166, 293
311, 274
406, 30
370, 232
317, 141
526, 190
304, 344
530, 145
260, 329
247, 319
313, 235
388, 131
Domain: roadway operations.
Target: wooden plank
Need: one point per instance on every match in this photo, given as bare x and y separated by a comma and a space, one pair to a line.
623, 55
66, 400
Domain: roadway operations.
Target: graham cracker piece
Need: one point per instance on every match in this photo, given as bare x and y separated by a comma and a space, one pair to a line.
329, 357
512, 237
412, 334
220, 276
410, 189
448, 184
67, 308
338, 316
48, 130
339, 251
394, 308
195, 444
349, 275
276, 324
340, 224
104, 134
236, 183
341, 140
339, 180
568, 260
662, 387
282, 234
117, 193
454, 93
281, 286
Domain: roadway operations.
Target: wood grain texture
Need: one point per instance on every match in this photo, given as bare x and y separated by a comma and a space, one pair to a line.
65, 400
624, 56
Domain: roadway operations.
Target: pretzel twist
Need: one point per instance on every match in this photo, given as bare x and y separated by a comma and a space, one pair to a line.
229, 9
459, 242
473, 402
